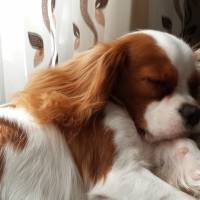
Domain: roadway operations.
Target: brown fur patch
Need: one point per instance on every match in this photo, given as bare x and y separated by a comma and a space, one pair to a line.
92, 148
11, 133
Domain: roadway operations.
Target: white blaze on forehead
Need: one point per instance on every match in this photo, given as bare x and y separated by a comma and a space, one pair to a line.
179, 53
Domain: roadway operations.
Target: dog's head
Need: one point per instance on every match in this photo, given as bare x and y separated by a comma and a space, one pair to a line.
159, 85
152, 73
156, 79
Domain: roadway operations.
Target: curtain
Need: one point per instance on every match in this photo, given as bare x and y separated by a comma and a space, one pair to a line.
42, 33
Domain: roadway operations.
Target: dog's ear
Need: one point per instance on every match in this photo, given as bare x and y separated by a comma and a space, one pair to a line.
97, 71
75, 90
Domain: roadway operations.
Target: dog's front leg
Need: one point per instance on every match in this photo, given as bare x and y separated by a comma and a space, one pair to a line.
135, 184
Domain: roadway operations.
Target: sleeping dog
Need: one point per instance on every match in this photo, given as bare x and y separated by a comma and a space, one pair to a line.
109, 123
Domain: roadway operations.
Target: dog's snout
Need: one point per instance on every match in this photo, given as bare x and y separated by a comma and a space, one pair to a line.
190, 114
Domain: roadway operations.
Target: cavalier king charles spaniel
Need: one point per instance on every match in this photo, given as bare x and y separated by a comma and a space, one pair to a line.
110, 123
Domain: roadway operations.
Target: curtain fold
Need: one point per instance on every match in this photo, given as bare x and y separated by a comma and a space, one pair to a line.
42, 33
2, 95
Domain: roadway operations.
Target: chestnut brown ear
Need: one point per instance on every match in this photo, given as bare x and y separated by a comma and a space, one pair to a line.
99, 69
106, 69
76, 89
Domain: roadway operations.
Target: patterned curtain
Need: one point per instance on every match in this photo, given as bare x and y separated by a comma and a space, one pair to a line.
42, 33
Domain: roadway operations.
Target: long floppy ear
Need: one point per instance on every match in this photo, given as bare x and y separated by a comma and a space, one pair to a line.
100, 72
75, 90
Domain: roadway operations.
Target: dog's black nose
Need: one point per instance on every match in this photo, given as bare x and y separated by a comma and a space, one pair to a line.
190, 114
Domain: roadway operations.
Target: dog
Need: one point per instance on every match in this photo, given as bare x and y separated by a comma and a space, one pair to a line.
110, 123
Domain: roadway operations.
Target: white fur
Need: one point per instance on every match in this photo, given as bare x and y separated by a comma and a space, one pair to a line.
163, 119
178, 163
130, 177
44, 170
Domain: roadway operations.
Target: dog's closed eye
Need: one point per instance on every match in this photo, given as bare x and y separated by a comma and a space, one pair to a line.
155, 81
159, 84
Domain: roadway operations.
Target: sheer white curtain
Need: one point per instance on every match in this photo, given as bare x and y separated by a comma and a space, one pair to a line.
40, 33
23, 38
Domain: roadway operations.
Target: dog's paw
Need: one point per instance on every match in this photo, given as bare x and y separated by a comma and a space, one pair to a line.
179, 165
186, 172
190, 174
